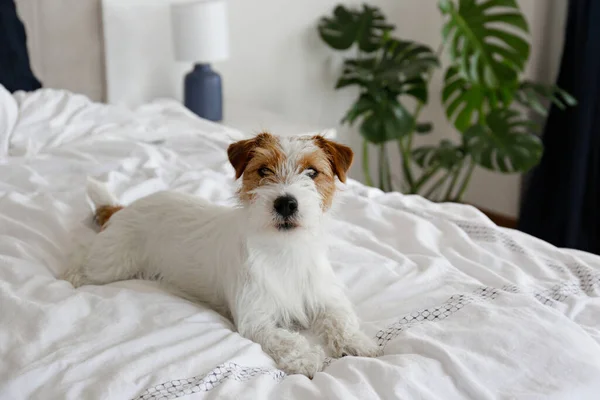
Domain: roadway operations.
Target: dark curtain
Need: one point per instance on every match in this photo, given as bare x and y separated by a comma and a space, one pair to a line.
15, 70
562, 201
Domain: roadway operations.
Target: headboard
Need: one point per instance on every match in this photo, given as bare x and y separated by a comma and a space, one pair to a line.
66, 45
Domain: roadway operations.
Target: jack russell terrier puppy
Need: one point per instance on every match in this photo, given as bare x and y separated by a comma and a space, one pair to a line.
263, 264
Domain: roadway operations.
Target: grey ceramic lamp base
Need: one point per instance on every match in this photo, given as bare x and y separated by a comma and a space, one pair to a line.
203, 93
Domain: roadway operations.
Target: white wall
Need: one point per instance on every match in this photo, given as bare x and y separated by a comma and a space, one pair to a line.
278, 62
65, 44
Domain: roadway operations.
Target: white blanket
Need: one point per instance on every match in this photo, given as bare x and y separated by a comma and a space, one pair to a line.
462, 308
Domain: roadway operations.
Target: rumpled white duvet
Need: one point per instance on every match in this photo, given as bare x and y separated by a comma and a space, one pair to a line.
462, 308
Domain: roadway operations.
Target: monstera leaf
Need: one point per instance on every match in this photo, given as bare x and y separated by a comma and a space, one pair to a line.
446, 155
532, 95
505, 143
405, 58
383, 118
400, 68
484, 39
366, 27
465, 100
462, 99
358, 72
423, 128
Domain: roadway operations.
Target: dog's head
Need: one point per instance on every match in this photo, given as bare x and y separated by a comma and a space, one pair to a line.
288, 182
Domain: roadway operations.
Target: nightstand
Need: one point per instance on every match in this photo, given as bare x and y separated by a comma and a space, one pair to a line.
251, 120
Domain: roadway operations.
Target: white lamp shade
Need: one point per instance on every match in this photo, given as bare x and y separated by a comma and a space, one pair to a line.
200, 32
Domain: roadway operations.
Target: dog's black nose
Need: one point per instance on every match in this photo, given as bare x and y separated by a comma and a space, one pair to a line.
286, 206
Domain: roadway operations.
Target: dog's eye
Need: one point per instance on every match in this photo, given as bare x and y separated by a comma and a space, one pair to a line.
312, 173
264, 171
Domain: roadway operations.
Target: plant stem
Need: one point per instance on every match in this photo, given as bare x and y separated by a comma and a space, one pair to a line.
382, 167
456, 173
406, 150
420, 105
388, 171
436, 195
416, 115
425, 177
385, 179
437, 185
365, 164
404, 153
465, 183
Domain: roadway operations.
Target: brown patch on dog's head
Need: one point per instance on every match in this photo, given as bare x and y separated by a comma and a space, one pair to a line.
331, 160
240, 153
257, 159
339, 156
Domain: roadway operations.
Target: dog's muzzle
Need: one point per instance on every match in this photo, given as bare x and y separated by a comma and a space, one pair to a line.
286, 207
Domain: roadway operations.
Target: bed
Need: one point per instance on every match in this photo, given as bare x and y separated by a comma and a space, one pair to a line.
460, 307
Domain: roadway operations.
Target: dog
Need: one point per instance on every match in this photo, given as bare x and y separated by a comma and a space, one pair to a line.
262, 264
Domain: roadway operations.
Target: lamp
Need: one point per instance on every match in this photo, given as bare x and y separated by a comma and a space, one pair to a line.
200, 36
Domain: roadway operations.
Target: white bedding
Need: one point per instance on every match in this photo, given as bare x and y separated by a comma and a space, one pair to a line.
463, 309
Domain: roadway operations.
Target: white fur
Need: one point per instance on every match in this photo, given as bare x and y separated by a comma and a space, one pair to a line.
269, 282
99, 195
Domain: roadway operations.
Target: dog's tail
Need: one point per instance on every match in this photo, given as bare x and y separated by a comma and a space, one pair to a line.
105, 203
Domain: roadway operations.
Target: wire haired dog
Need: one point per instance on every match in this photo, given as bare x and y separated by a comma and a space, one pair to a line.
263, 264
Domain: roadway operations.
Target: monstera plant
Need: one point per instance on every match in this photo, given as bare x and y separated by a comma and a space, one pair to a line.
485, 96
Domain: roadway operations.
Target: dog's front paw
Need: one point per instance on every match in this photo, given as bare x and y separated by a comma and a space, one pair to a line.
307, 363
358, 344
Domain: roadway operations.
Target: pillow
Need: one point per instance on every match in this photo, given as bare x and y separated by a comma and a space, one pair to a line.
9, 113
15, 70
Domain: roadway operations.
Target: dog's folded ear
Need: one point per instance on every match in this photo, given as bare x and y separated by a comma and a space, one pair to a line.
340, 156
240, 153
